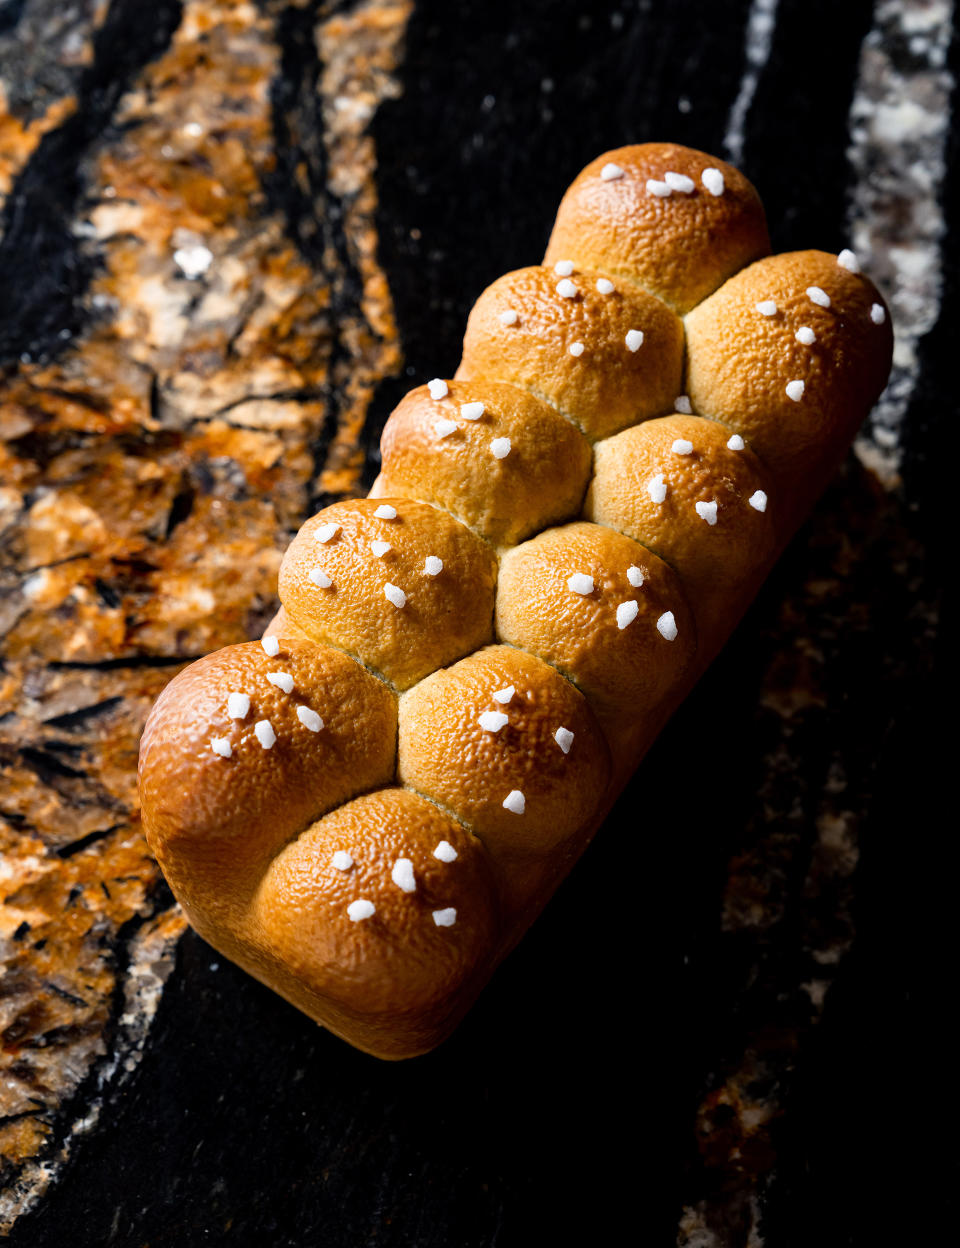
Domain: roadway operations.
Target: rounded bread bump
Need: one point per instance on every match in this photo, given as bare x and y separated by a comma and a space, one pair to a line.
610, 385
715, 561
335, 967
739, 363
629, 669
679, 246
445, 753
384, 609
541, 482
202, 810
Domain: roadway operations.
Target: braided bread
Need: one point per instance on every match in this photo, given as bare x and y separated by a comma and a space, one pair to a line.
368, 808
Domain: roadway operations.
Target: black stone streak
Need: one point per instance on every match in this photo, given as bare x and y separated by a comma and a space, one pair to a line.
82, 716
41, 266
561, 1112
798, 135
313, 214
83, 842
11, 11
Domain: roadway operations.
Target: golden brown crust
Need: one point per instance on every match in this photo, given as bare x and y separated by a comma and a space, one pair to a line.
628, 669
679, 247
391, 980
710, 512
606, 388
740, 361
468, 750
212, 821
435, 618
602, 644
541, 480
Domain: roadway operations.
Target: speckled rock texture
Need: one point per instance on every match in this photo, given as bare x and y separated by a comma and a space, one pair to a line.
231, 236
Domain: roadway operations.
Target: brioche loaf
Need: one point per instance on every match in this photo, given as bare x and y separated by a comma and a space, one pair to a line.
367, 808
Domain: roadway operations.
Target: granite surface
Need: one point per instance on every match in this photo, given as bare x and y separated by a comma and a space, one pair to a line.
232, 235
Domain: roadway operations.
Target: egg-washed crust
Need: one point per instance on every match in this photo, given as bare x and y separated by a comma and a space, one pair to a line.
543, 741
751, 368
678, 242
630, 365
663, 498
400, 969
440, 452
620, 664
367, 808
371, 589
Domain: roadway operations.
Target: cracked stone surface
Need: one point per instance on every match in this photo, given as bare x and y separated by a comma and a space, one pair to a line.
156, 460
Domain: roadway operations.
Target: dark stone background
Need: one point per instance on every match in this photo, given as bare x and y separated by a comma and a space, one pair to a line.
564, 1109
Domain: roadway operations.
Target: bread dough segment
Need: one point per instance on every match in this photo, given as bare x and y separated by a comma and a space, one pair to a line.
740, 362
612, 384
679, 246
541, 482
214, 821
392, 976
716, 550
432, 620
621, 670
467, 750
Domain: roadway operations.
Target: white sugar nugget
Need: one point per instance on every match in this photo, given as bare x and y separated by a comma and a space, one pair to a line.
402, 875
309, 718
580, 583
626, 614
238, 705
564, 738
515, 802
